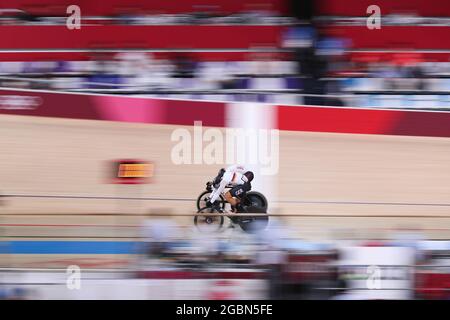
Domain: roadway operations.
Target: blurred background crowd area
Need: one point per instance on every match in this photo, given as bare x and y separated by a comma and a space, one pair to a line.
277, 51
172, 262
409, 264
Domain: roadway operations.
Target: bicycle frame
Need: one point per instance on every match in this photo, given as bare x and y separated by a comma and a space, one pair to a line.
209, 186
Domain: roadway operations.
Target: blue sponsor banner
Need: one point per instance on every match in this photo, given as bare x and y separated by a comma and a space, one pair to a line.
69, 247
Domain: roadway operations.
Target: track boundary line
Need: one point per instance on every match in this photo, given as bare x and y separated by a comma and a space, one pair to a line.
189, 199
154, 214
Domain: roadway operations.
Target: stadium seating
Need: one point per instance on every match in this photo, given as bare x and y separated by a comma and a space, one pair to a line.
224, 56
438, 8
114, 7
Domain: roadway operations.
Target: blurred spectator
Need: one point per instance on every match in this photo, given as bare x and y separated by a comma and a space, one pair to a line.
299, 36
157, 234
184, 66
215, 76
273, 260
105, 74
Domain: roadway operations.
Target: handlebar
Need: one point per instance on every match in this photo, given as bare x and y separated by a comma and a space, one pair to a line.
209, 185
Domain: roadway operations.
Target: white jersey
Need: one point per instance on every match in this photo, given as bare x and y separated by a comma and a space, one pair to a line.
233, 174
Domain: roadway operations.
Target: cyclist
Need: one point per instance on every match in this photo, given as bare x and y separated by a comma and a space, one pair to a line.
239, 178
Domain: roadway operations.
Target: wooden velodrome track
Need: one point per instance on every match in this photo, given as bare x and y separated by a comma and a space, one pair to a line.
342, 185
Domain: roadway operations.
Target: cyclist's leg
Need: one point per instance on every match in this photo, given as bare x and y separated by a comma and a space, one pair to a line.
235, 195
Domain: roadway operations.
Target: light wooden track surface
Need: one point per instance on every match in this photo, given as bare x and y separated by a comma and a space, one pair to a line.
320, 174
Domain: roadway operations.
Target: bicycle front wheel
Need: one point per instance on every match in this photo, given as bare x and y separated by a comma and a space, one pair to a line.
208, 223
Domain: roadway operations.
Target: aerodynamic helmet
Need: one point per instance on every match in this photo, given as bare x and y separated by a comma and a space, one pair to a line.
248, 176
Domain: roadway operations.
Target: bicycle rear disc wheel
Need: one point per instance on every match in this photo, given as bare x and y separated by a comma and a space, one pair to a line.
254, 224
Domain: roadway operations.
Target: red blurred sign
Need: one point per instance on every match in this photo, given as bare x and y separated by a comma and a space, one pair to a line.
132, 171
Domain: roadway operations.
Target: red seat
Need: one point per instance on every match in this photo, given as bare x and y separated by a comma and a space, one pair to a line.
396, 37
435, 8
117, 36
113, 7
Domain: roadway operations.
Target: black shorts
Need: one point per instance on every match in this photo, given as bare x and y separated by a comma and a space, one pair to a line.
240, 190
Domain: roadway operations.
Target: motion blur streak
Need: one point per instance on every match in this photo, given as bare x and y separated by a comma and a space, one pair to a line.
93, 205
